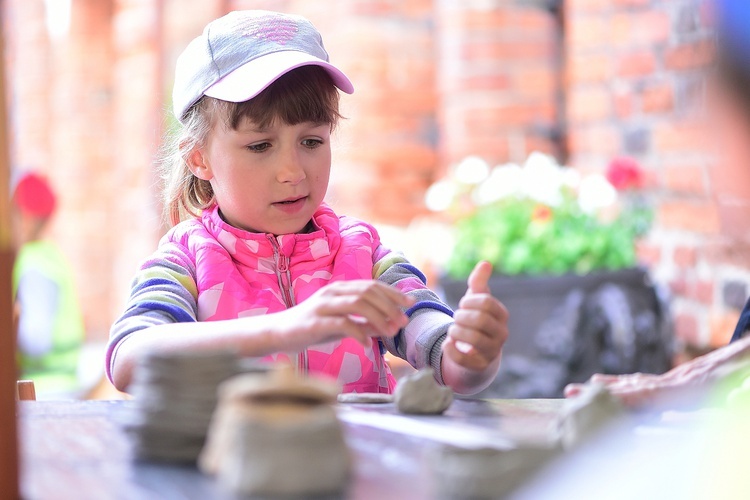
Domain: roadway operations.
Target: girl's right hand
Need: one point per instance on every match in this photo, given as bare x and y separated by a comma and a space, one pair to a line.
359, 309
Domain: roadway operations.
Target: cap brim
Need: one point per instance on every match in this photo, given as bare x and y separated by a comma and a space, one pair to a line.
253, 77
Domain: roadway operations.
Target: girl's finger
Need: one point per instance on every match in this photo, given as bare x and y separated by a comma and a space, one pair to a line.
487, 347
353, 306
370, 286
388, 300
485, 302
471, 360
483, 322
336, 327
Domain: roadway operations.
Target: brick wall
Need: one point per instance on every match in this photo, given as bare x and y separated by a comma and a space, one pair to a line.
634, 80
435, 80
499, 80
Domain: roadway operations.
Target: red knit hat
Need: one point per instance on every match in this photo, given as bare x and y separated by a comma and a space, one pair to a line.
33, 195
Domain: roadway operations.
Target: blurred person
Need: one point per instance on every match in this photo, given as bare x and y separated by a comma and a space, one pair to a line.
49, 321
728, 105
256, 260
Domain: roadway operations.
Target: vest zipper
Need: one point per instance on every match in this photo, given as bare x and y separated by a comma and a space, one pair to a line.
284, 275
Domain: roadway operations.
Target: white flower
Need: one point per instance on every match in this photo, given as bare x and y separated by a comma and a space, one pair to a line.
504, 181
440, 196
543, 179
595, 193
571, 178
471, 170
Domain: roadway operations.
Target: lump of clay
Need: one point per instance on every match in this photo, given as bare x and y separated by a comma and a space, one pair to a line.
485, 472
586, 414
277, 434
420, 394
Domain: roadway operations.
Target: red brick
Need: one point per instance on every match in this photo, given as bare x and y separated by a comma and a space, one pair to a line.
685, 179
702, 291
649, 27
730, 178
483, 82
699, 291
648, 253
637, 64
735, 252
525, 20
735, 219
699, 217
657, 98
686, 328
589, 104
507, 50
539, 82
623, 104
589, 68
685, 256
680, 137
600, 139
513, 114
586, 31
690, 56
679, 287
586, 5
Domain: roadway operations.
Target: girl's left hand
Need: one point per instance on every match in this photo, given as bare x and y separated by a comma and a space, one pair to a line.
480, 328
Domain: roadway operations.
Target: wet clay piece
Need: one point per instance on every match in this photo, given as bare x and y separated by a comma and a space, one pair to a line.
420, 394
585, 414
277, 434
364, 398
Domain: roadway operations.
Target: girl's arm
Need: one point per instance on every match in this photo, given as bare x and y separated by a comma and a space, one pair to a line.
429, 339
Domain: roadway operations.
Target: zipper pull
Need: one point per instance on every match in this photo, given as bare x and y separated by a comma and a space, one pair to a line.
283, 263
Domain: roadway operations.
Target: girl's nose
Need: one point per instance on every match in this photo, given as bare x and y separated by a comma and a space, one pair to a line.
290, 170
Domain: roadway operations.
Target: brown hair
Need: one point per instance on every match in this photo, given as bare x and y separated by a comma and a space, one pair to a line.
305, 94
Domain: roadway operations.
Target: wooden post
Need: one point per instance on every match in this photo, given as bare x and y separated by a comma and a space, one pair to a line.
8, 435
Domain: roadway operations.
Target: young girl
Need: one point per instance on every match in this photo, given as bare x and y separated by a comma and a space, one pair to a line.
257, 261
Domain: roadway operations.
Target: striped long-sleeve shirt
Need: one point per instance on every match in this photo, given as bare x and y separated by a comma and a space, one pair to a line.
205, 269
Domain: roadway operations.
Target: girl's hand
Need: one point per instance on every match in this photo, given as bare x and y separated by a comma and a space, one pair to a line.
359, 309
480, 327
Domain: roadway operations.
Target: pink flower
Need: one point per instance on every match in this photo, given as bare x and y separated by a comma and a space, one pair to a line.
625, 173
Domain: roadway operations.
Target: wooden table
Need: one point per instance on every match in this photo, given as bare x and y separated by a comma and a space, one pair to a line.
76, 449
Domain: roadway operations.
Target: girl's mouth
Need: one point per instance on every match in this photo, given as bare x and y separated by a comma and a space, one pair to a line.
291, 206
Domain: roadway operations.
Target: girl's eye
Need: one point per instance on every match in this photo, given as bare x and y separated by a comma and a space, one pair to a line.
312, 143
259, 148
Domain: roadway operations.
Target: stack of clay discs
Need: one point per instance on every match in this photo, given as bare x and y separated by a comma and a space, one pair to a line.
174, 398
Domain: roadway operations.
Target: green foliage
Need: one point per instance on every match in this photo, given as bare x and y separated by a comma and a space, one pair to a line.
520, 236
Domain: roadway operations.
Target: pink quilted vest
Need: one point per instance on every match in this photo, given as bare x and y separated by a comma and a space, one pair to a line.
239, 273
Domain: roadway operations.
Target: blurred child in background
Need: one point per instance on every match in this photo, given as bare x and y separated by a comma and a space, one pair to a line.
49, 321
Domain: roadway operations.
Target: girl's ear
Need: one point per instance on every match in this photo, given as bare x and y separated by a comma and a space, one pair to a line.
198, 164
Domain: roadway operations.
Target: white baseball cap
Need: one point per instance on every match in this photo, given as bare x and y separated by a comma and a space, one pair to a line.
242, 53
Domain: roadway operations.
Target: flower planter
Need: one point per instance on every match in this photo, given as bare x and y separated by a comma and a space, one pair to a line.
565, 328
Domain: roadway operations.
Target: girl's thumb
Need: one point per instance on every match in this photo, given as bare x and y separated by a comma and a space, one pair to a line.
480, 277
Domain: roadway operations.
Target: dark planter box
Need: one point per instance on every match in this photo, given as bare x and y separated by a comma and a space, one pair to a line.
564, 329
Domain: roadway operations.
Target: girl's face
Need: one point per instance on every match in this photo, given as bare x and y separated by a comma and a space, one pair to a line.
270, 180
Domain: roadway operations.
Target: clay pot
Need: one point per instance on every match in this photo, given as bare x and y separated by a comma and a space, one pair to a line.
277, 435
